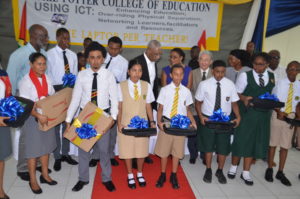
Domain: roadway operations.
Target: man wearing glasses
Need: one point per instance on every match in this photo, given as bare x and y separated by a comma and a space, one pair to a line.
274, 67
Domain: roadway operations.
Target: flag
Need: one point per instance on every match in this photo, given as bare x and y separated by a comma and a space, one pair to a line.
22, 35
202, 41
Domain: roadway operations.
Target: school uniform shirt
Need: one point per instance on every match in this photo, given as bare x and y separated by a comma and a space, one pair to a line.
118, 66
279, 73
166, 98
151, 69
242, 82
149, 98
206, 93
232, 74
106, 87
28, 90
281, 90
56, 65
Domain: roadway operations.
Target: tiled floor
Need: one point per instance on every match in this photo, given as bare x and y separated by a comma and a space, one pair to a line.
67, 177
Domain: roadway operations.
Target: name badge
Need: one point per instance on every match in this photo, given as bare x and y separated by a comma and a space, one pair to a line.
297, 98
227, 99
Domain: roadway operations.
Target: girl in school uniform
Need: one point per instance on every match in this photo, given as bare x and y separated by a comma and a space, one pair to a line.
38, 144
135, 98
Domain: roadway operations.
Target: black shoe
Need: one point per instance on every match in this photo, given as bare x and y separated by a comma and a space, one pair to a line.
114, 162
208, 175
161, 180
134, 163
43, 180
40, 169
69, 159
142, 184
192, 160
24, 175
109, 186
269, 175
280, 176
148, 160
57, 165
131, 186
79, 185
221, 178
174, 181
38, 191
299, 176
247, 182
93, 162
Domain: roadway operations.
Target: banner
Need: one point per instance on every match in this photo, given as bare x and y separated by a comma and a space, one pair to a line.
174, 23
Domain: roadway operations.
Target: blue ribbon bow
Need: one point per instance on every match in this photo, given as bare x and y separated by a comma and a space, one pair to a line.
11, 107
138, 123
269, 96
86, 131
69, 80
219, 116
180, 121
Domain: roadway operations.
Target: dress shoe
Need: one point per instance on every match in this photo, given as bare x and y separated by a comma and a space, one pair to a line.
161, 180
40, 169
221, 178
280, 176
69, 159
148, 160
38, 191
248, 181
43, 180
174, 181
24, 175
208, 175
5, 197
192, 160
93, 162
114, 162
131, 185
79, 185
109, 186
141, 181
57, 165
269, 175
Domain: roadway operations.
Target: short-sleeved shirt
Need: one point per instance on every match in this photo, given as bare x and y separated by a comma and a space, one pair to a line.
242, 81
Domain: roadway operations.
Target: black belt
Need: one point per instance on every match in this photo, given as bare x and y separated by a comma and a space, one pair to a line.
58, 87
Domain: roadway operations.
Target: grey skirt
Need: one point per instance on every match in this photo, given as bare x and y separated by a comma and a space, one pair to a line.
5, 143
37, 142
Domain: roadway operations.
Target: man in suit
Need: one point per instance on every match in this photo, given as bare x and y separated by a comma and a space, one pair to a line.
149, 68
201, 73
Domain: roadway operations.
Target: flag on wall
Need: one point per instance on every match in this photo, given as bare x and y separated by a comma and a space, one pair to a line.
22, 34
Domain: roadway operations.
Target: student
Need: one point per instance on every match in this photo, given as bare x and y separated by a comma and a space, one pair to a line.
35, 86
81, 61
173, 99
98, 85
135, 98
212, 94
251, 138
288, 91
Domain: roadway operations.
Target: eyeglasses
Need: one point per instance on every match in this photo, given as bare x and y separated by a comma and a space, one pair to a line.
275, 57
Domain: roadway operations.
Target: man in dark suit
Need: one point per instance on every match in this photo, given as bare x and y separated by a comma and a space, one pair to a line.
149, 67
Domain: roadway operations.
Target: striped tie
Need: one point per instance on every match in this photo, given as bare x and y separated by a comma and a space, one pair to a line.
218, 97
261, 80
66, 63
175, 103
94, 94
288, 107
136, 92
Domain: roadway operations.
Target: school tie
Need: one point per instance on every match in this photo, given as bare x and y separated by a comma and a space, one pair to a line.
175, 103
288, 107
94, 93
136, 92
261, 80
218, 97
203, 76
107, 65
66, 63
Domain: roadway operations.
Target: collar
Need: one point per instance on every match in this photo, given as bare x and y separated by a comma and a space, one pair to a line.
99, 71
256, 74
173, 85
59, 49
215, 81
207, 70
148, 60
32, 49
131, 82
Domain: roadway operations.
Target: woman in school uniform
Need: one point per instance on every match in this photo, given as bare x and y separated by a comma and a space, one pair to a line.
135, 98
38, 144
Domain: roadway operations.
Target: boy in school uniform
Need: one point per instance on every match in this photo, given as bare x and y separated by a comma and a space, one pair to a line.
98, 85
173, 99
212, 94
288, 91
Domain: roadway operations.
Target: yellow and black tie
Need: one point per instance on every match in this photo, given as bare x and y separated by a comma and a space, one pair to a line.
175, 103
94, 93
66, 63
136, 92
288, 107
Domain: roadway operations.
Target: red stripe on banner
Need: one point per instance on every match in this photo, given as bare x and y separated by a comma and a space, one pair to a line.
23, 27
202, 40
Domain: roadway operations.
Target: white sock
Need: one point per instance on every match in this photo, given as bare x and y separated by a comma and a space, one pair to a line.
233, 169
140, 175
130, 176
246, 175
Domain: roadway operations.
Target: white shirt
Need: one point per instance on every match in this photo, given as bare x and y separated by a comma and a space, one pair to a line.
281, 90
206, 93
28, 90
118, 66
206, 72
279, 73
151, 70
166, 96
2, 89
56, 65
149, 98
242, 82
107, 92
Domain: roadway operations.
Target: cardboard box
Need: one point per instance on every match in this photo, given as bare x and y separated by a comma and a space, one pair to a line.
55, 108
95, 116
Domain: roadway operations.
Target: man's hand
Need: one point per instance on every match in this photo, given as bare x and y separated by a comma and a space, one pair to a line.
120, 127
281, 115
194, 125
203, 120
246, 100
43, 119
161, 125
237, 122
2, 123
